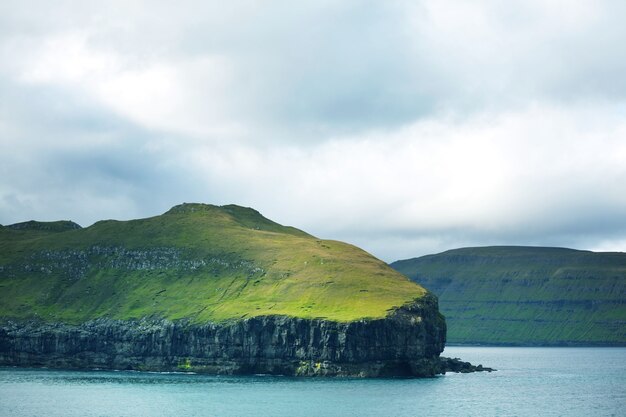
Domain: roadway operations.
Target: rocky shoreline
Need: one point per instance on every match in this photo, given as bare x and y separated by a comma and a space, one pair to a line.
405, 343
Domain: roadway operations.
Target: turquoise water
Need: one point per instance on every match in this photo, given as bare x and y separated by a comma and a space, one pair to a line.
529, 382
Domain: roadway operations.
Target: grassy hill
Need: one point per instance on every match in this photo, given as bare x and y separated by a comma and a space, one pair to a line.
197, 261
526, 295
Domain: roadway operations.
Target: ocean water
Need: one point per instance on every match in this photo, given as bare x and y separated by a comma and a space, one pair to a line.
529, 382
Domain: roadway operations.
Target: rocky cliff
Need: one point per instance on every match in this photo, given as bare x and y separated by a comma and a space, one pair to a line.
406, 343
209, 289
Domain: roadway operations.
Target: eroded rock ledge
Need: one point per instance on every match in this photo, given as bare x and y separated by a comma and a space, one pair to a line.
406, 343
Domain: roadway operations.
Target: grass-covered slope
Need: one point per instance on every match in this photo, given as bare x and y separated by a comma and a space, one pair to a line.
527, 295
200, 262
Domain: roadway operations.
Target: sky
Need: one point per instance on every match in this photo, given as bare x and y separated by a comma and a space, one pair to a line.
403, 127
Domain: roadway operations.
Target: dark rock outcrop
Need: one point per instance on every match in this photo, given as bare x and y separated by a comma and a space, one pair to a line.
405, 343
459, 366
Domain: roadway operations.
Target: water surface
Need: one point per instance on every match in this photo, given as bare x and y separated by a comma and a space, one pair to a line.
529, 382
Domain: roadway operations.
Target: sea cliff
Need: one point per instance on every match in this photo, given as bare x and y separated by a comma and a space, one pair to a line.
216, 289
406, 343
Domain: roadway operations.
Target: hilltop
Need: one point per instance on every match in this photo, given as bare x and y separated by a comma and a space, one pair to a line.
199, 262
527, 295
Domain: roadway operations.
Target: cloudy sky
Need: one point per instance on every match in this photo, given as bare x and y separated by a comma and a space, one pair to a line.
405, 127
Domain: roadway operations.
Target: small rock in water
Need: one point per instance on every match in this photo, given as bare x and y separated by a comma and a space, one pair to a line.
457, 365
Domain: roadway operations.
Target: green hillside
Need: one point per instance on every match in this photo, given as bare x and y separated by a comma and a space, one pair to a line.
197, 261
526, 295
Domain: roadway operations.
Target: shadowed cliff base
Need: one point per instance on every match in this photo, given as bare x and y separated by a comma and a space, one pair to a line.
406, 344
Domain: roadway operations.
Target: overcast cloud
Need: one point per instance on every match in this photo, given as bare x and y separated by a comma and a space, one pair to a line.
404, 127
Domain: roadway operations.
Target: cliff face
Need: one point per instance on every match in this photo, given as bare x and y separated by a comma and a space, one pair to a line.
405, 343
209, 289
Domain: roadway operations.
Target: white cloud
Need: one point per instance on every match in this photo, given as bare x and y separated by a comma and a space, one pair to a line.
501, 54
405, 127
515, 176
184, 97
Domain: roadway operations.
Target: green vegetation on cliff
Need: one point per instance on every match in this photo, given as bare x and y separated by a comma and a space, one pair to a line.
526, 295
197, 261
